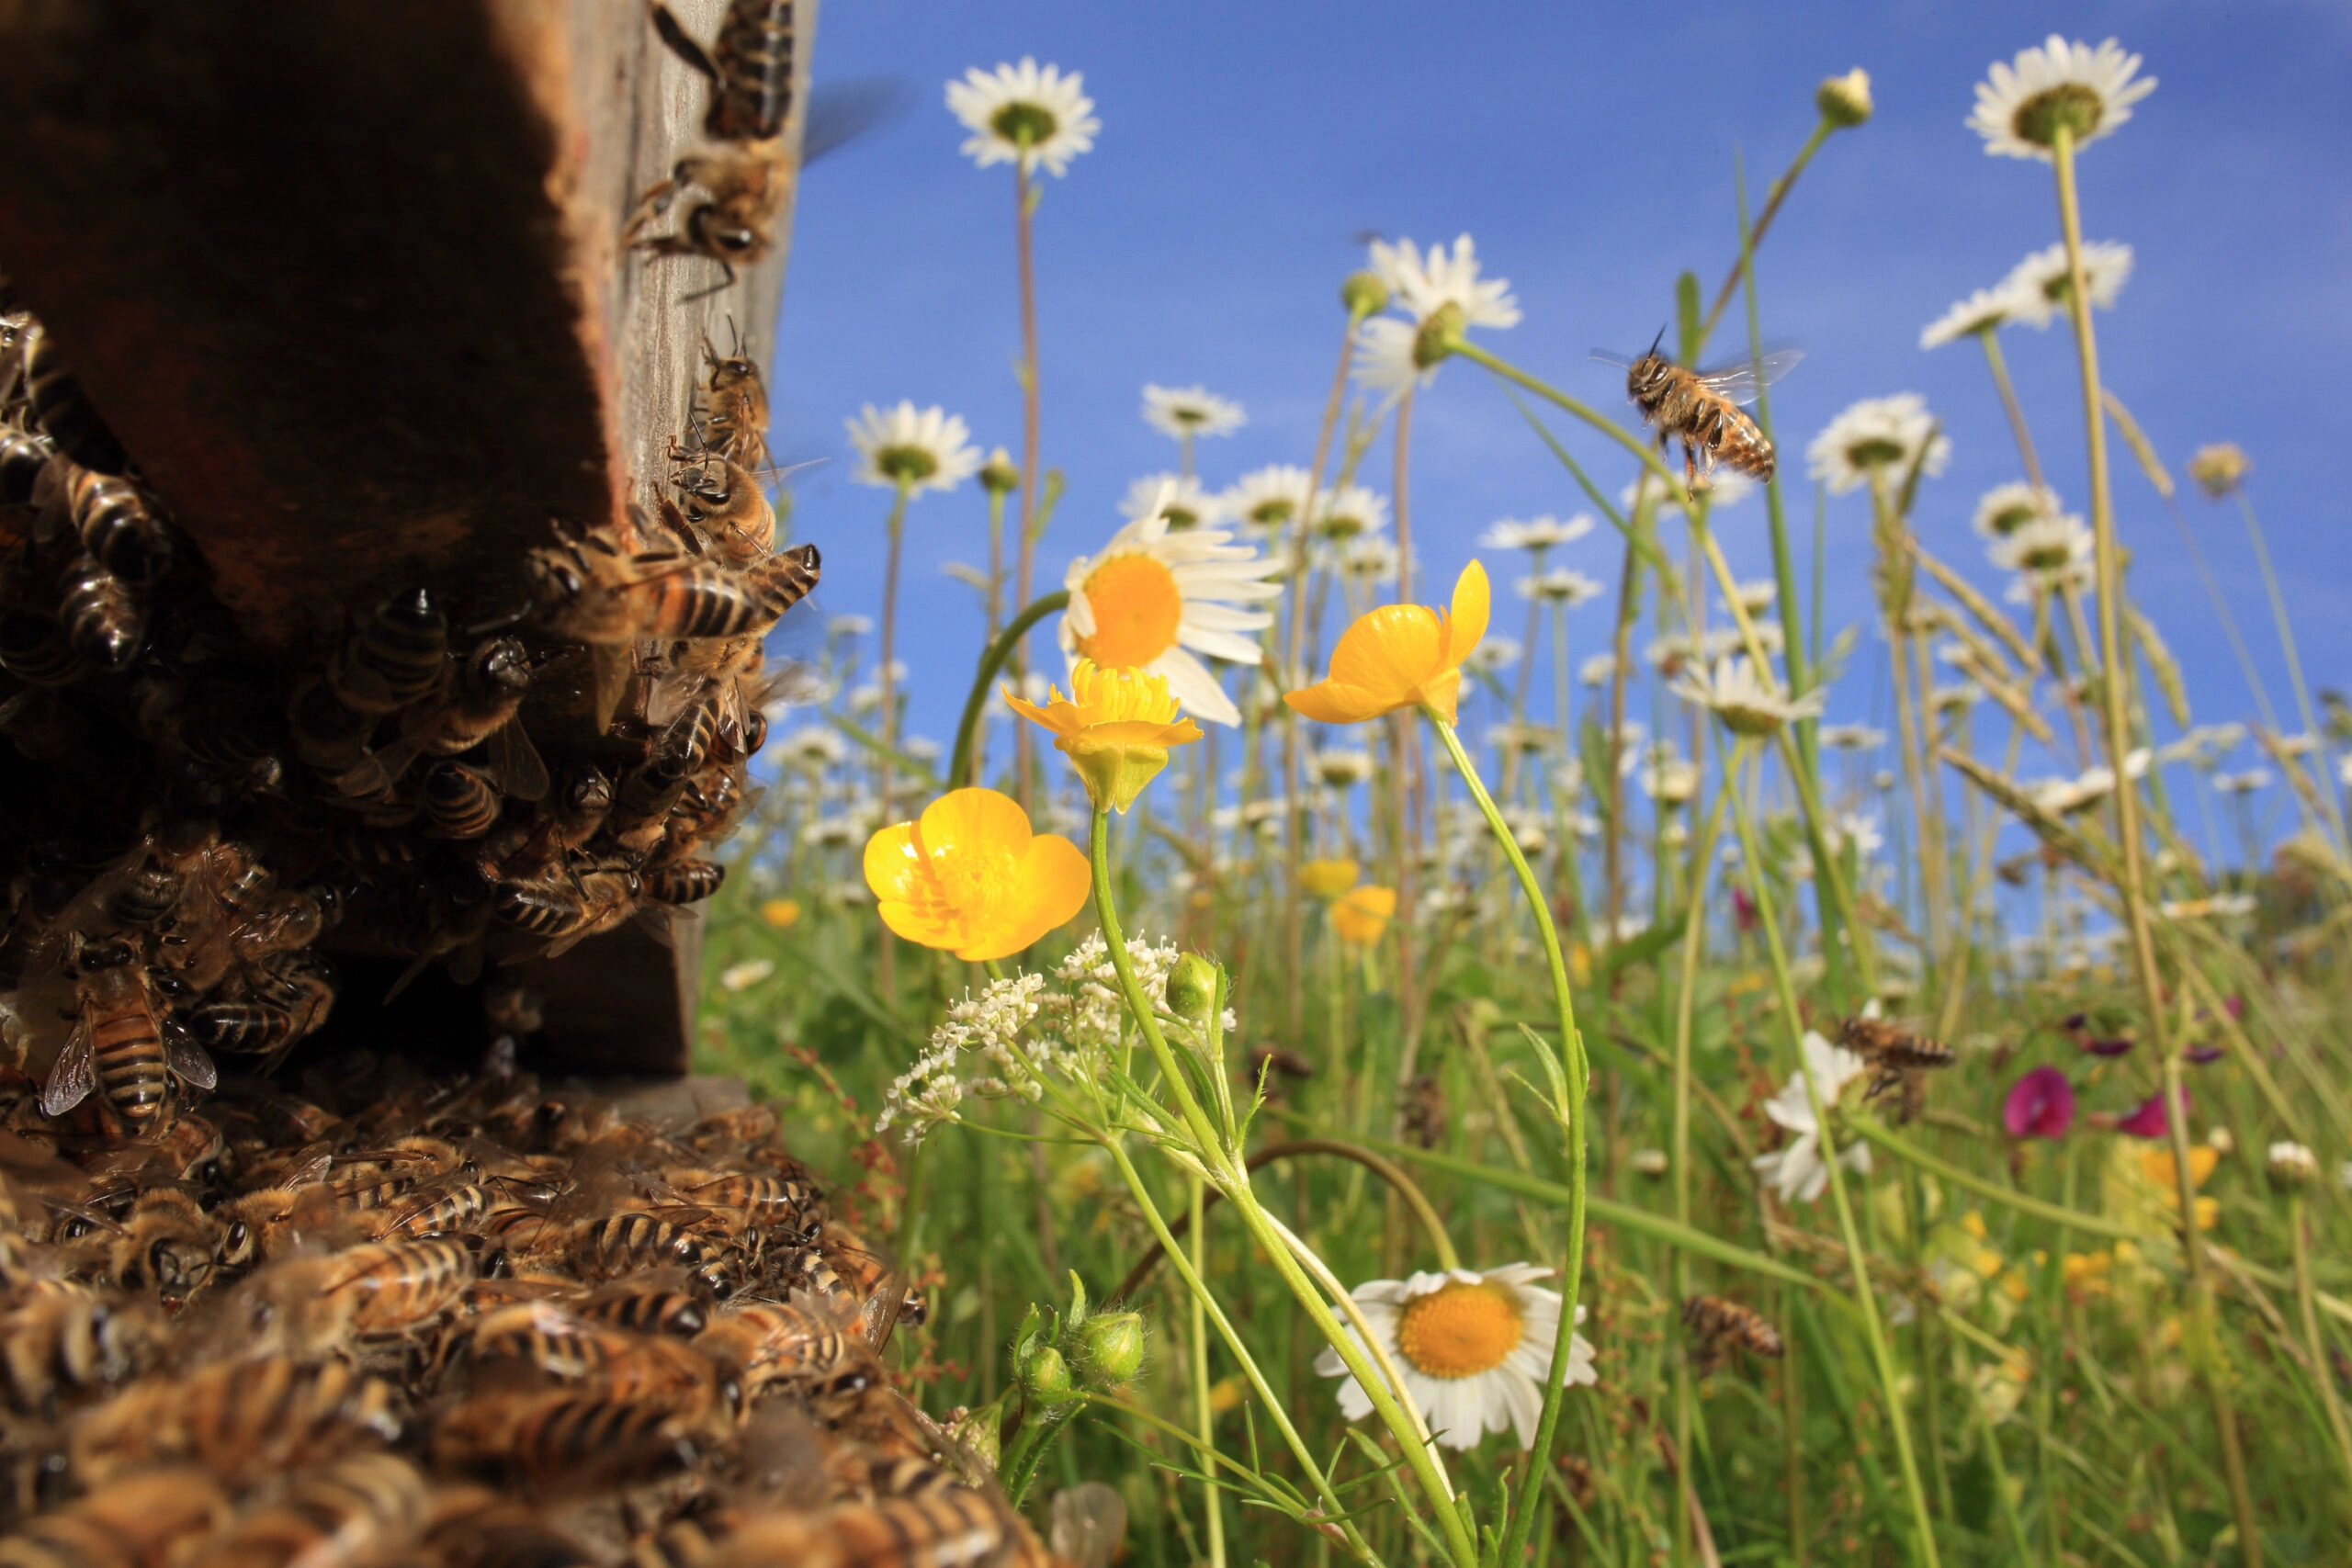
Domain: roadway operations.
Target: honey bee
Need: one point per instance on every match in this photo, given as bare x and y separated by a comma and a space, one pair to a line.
564, 1441
723, 501
168, 1245
749, 67
65, 413
1702, 408
459, 803
135, 1523
1718, 1325
660, 1303
237, 1418
450, 1203
626, 1243
684, 882
103, 618
24, 456
119, 1044
119, 528
567, 908
575, 816
349, 1512
769, 1342
760, 1198
647, 793
955, 1527
480, 709
394, 1285
393, 656
281, 1001
734, 414
63, 1342
1898, 1056
34, 648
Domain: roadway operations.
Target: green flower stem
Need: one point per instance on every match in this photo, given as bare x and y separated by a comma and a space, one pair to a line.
1879, 1137
1923, 1539
1772, 199
993, 662
1204, 1412
1221, 1168
1568, 1092
2197, 1288
2299, 1223
1994, 361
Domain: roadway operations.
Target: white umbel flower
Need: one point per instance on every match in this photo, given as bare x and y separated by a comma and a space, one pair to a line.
2038, 285
1986, 309
1561, 585
1179, 411
1877, 433
2005, 509
2020, 105
1536, 533
924, 449
1156, 599
1796, 1170
1474, 1349
1268, 497
1021, 113
1177, 496
1747, 702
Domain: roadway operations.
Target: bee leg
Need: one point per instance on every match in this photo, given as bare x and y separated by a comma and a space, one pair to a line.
727, 281
674, 36
651, 205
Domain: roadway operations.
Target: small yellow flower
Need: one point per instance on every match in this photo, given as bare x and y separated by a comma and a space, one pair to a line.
969, 877
2157, 1166
1328, 878
1362, 913
780, 913
1115, 727
1401, 656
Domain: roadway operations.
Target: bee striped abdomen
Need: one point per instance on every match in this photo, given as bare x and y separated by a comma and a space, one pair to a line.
753, 53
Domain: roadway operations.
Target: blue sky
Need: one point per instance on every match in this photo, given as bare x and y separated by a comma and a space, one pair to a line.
1589, 151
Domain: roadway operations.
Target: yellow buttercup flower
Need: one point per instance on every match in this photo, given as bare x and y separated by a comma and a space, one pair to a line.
1401, 656
1362, 913
969, 877
1328, 878
2158, 1167
780, 913
1115, 727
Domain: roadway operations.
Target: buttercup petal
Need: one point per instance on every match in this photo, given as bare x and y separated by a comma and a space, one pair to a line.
1050, 886
1468, 626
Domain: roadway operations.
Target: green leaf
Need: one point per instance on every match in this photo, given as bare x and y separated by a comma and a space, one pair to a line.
1686, 318
1642, 949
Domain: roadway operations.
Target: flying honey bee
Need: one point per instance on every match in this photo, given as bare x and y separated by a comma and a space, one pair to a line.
1702, 408
1899, 1057
1718, 1325
747, 175
119, 1044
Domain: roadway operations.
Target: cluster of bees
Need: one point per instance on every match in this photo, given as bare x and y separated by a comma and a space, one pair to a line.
388, 1321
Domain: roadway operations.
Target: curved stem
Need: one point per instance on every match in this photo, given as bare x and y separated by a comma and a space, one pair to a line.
991, 663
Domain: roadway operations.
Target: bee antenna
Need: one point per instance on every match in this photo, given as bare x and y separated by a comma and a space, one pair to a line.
1657, 340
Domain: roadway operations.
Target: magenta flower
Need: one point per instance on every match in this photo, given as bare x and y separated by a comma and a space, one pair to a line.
2041, 1105
2149, 1120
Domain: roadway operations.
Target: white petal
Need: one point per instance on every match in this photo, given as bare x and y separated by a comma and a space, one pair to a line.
1217, 645
1194, 688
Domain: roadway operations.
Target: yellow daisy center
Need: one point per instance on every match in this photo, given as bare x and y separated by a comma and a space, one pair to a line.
1459, 1330
1137, 608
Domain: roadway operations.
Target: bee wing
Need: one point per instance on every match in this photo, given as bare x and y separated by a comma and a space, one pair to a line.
615, 666
515, 763
840, 112
1089, 1524
1742, 380
185, 1057
75, 1075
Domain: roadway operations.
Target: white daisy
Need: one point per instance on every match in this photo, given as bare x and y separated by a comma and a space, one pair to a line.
1385, 358
1371, 558
1747, 702
1877, 433
850, 627
2246, 782
1420, 285
2044, 548
1268, 497
1474, 1349
1177, 496
1668, 779
744, 976
2038, 285
2091, 91
1561, 585
1155, 598
1340, 767
1019, 112
1724, 487
1852, 736
1758, 596
1536, 533
1986, 309
1344, 514
2003, 509
1495, 653
1795, 1170
1598, 669
925, 449
1180, 411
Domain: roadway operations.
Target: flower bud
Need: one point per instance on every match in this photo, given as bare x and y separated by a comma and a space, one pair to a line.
1109, 1347
1363, 294
1191, 988
998, 475
2292, 1166
1044, 1377
1434, 343
2222, 1140
1650, 1162
1845, 100
2220, 468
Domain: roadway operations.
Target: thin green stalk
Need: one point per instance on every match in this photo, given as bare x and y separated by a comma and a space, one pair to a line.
1568, 1091
1865, 1299
1204, 1412
1772, 199
1994, 361
2299, 1224
993, 662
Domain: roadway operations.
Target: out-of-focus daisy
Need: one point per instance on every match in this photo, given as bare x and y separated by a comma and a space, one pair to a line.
1021, 113
1474, 1349
1177, 497
1748, 703
1371, 559
922, 449
2005, 509
1796, 1170
1536, 533
2022, 104
2291, 1166
850, 627
1340, 767
1186, 412
1561, 585
1877, 435
1155, 598
1852, 736
1981, 311
744, 976
1862, 831
1758, 596
1495, 655
2044, 549
1268, 497
1350, 510
2041, 283
1669, 779
2220, 468
1385, 357
2246, 783
1597, 669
